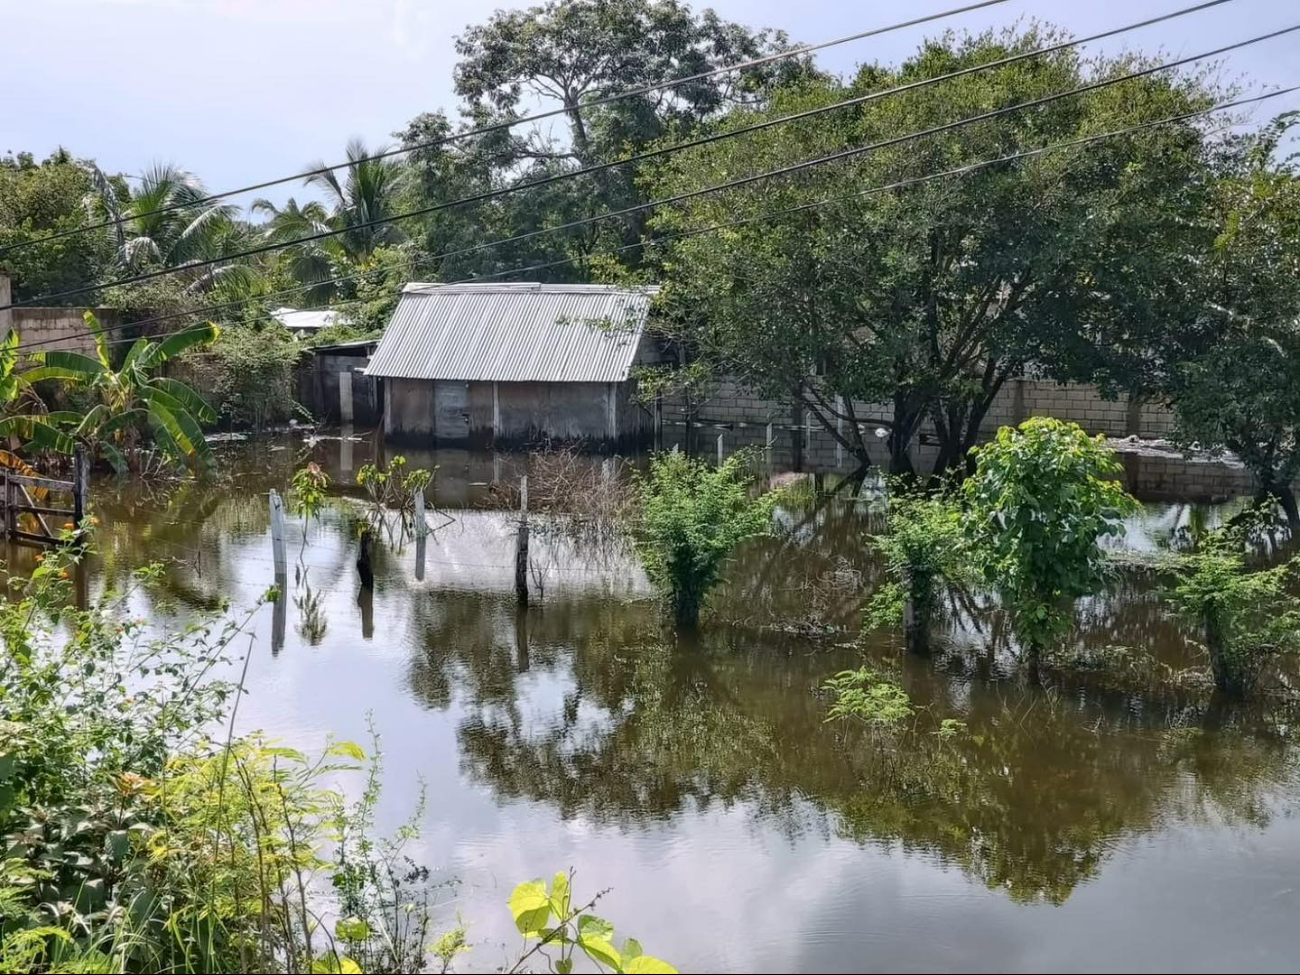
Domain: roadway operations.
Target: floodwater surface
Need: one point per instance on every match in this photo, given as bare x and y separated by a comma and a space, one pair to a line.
1067, 827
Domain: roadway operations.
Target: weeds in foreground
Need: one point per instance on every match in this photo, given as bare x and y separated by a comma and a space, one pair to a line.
135, 841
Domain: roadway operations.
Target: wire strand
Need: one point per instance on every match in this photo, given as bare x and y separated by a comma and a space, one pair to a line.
511, 123
888, 187
627, 211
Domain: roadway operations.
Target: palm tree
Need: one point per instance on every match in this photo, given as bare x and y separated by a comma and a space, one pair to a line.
167, 221
367, 193
310, 263
134, 396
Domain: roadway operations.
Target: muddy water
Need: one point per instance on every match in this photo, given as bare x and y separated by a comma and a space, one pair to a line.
1072, 827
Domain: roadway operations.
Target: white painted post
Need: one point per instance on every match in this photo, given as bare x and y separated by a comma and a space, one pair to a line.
496, 412
611, 404
607, 469
720, 450
345, 397
768, 444
421, 545
277, 538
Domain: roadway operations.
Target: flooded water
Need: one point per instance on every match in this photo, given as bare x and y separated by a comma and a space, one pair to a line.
1071, 827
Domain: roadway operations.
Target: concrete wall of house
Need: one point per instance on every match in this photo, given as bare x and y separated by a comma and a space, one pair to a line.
514, 414
328, 374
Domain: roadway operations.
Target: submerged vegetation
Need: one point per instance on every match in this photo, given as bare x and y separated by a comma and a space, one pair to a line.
692, 517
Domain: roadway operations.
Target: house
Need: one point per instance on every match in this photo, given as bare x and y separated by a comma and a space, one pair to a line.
514, 364
305, 324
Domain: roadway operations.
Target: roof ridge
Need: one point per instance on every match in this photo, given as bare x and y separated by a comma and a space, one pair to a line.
539, 287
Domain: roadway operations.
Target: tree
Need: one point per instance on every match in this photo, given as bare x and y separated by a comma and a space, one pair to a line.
1041, 497
37, 200
692, 518
1237, 356
366, 194
133, 396
924, 300
313, 263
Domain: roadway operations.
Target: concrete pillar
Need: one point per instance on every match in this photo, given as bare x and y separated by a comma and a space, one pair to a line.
611, 405
496, 411
345, 397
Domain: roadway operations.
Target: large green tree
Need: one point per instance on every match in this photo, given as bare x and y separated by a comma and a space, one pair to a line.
40, 199
926, 299
1236, 355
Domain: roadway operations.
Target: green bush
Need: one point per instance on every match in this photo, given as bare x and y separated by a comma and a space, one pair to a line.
139, 838
1246, 618
921, 550
250, 373
692, 518
1041, 497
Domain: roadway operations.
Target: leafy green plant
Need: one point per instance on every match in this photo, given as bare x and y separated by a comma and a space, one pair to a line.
393, 487
921, 550
552, 924
250, 372
866, 695
1041, 497
1246, 618
309, 490
132, 397
692, 517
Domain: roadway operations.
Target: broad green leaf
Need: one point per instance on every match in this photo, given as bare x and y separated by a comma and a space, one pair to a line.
74, 364
601, 950
597, 927
530, 907
182, 393
351, 929
631, 949
347, 749
564, 966
174, 345
560, 895
648, 965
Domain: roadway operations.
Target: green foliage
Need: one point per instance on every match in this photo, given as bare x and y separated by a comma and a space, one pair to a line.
867, 696
40, 199
250, 372
1042, 496
393, 487
1247, 617
554, 928
692, 518
930, 297
1237, 352
133, 396
921, 550
309, 490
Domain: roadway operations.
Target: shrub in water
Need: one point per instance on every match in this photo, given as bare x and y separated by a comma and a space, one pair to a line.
693, 516
1041, 497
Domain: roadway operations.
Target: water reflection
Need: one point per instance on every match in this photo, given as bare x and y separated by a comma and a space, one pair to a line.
578, 718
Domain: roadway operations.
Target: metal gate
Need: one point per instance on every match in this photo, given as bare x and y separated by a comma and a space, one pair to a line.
451, 412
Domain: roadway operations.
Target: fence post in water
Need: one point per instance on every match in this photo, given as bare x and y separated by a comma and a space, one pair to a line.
521, 548
421, 524
277, 537
720, 436
767, 449
11, 517
80, 486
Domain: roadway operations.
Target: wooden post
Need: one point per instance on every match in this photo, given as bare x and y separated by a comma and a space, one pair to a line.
521, 548
11, 517
80, 486
767, 448
720, 448
277, 537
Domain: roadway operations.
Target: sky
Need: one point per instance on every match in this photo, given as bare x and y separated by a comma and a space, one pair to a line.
239, 91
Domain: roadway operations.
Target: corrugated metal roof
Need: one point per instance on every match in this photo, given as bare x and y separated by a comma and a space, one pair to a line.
551, 333
305, 321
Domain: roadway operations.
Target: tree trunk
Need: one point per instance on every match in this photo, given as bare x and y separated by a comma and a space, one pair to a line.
1228, 676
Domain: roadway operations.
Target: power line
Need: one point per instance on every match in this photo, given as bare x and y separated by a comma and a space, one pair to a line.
268, 248
871, 191
833, 157
511, 123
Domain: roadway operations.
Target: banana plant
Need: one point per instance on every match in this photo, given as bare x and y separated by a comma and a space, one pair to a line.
131, 398
23, 414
